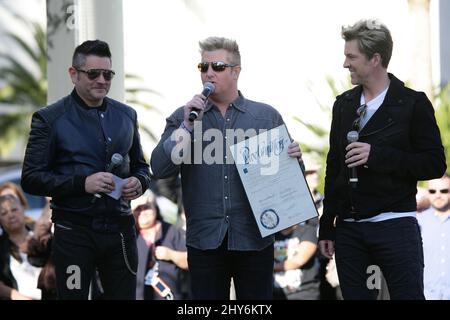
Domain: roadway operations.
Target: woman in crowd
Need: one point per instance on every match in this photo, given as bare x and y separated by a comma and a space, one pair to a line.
18, 278
162, 252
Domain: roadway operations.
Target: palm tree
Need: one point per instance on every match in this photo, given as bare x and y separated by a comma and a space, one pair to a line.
24, 91
319, 153
132, 91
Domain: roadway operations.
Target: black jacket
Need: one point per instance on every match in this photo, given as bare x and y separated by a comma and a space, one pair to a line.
405, 147
70, 141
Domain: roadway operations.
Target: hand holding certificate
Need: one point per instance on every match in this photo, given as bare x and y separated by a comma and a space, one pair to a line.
273, 181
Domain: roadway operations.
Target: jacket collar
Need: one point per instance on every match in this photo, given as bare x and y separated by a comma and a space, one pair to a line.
83, 104
394, 94
382, 117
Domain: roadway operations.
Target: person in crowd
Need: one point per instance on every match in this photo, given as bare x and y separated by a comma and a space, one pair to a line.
435, 228
12, 188
18, 278
383, 140
81, 149
422, 199
296, 262
162, 252
311, 173
223, 239
39, 255
329, 282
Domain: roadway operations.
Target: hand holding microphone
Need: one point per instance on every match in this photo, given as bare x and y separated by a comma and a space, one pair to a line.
353, 136
357, 154
208, 89
116, 161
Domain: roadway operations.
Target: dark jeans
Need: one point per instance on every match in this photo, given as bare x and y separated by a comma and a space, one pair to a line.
78, 251
394, 246
211, 272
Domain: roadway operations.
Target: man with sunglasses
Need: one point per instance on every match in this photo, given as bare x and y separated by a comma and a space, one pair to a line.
70, 157
223, 239
435, 228
372, 223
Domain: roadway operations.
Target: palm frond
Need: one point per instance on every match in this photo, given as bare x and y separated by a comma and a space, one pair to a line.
318, 131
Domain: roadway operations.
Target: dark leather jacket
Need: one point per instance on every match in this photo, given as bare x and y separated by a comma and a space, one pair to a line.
405, 147
70, 141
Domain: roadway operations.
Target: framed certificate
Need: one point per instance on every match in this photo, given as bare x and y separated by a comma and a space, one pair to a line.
274, 182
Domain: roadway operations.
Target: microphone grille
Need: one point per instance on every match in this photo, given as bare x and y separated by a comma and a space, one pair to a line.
209, 86
116, 159
352, 136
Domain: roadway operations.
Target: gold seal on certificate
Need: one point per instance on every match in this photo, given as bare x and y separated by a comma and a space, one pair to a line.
273, 181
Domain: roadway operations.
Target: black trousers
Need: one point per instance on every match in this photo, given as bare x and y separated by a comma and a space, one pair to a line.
78, 252
393, 246
211, 272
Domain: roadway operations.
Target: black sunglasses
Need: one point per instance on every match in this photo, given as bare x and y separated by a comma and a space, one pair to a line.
360, 112
93, 74
217, 66
433, 191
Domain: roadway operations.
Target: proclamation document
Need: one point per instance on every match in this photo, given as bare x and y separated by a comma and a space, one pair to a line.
273, 181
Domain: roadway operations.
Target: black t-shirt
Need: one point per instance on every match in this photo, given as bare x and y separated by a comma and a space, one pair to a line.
172, 238
295, 280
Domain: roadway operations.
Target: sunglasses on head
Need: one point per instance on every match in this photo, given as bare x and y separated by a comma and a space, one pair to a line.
93, 74
433, 191
360, 112
217, 66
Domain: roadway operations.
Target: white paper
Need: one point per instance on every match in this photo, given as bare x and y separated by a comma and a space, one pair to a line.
118, 183
273, 181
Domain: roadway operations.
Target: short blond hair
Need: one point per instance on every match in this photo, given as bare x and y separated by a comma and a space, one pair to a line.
373, 37
217, 43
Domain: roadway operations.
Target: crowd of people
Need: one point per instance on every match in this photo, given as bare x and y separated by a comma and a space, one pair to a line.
300, 271
104, 236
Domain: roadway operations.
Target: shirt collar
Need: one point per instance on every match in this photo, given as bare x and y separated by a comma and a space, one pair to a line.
239, 103
441, 218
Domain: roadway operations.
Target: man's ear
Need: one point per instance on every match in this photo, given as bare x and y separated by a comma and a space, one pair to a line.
73, 73
236, 72
376, 59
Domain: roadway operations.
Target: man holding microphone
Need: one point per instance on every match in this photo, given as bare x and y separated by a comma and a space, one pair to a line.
383, 139
223, 239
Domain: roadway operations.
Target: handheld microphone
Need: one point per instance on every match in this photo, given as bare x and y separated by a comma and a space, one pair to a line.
353, 136
116, 160
208, 89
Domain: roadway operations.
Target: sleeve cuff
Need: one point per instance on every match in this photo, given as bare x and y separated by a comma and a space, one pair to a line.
79, 184
143, 182
327, 230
